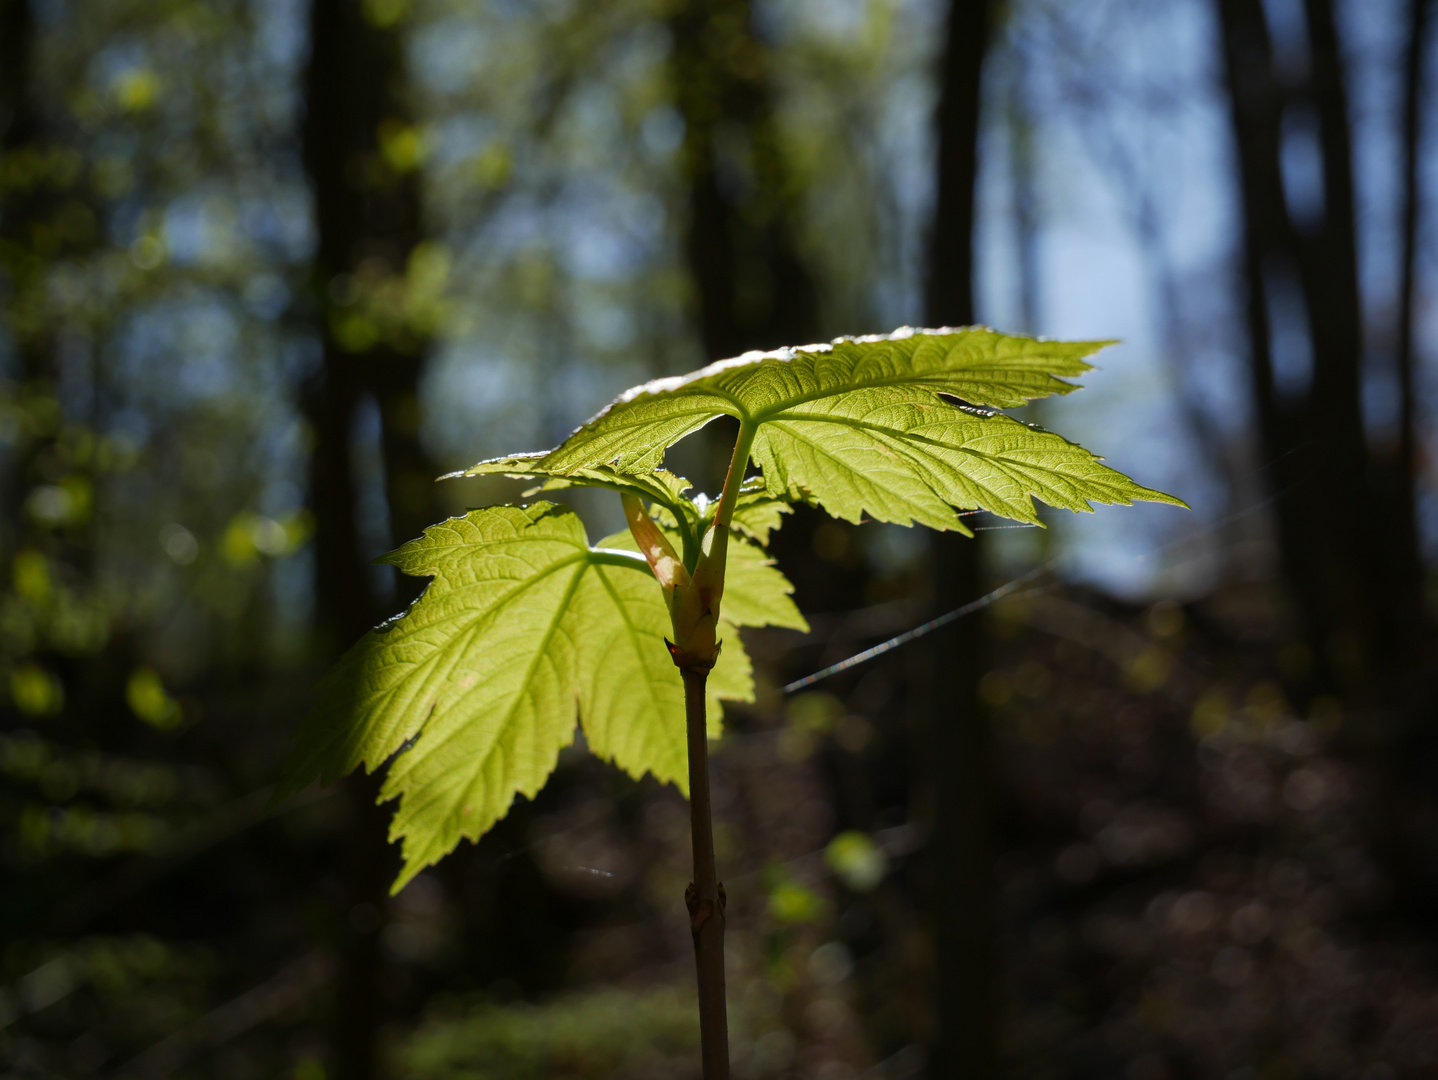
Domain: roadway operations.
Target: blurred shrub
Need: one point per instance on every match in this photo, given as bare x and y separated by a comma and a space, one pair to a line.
857, 860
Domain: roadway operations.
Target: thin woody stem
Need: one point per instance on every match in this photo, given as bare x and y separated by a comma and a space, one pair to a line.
704, 897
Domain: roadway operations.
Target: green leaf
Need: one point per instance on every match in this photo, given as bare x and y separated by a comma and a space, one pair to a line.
914, 463
757, 513
731, 679
755, 592
977, 365
859, 426
471, 693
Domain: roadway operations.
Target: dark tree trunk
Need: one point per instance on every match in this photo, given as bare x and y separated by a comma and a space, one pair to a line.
46, 220
1401, 474
964, 1042
1347, 543
368, 216
23, 210
19, 119
949, 291
752, 289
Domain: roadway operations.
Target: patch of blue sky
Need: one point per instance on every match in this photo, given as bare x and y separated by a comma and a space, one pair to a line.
179, 351
607, 327
266, 295
1097, 277
199, 229
122, 55
591, 128
835, 22
447, 54
208, 333
75, 353
593, 247
520, 224
640, 217
276, 217
279, 36
661, 133
480, 400
637, 54
458, 138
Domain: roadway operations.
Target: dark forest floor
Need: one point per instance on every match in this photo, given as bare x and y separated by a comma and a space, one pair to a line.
1192, 878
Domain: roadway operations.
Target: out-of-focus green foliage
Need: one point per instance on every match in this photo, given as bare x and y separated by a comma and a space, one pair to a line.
791, 902
153, 237
856, 859
158, 327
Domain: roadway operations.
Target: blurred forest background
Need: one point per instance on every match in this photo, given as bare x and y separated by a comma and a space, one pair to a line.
1171, 811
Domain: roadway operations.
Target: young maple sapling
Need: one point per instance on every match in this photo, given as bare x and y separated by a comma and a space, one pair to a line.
527, 630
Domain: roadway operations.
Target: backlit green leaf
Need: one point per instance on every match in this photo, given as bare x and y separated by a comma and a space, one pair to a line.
757, 513
915, 463
755, 592
525, 631
859, 426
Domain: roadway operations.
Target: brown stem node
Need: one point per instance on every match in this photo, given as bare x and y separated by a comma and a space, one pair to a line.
692, 662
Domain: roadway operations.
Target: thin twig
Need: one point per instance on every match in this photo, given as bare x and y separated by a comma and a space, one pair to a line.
919, 631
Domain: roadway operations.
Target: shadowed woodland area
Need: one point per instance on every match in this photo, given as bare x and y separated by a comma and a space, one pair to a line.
1166, 810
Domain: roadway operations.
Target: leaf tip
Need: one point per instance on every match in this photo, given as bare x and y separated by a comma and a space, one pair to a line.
409, 872
1151, 495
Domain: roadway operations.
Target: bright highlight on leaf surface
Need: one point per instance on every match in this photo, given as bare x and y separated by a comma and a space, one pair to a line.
858, 426
524, 631
527, 631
